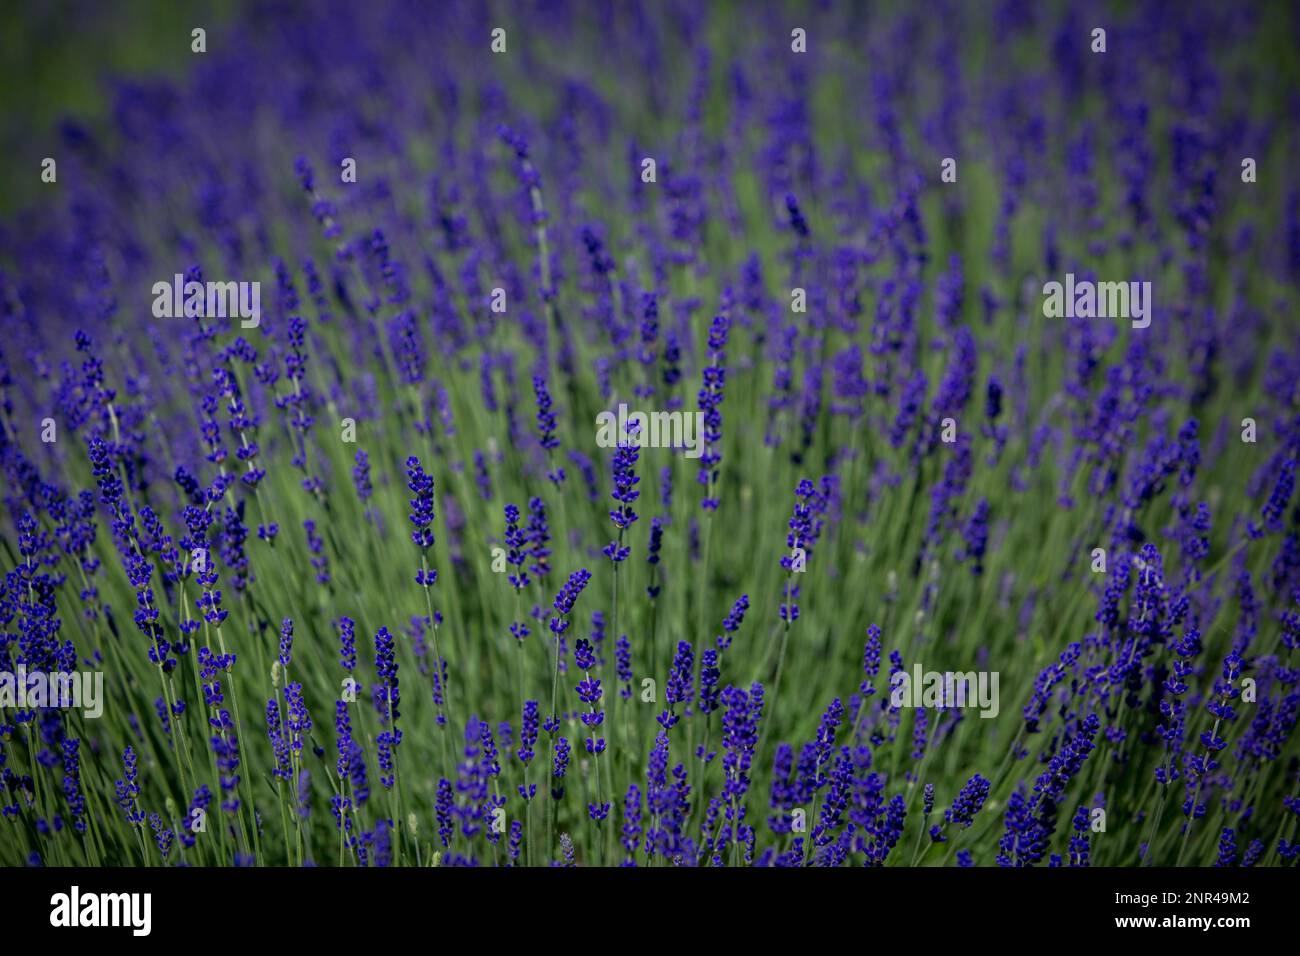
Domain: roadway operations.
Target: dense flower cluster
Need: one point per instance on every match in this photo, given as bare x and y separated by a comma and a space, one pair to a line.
902, 569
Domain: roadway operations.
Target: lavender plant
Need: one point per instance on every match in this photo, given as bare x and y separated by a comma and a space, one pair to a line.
826, 237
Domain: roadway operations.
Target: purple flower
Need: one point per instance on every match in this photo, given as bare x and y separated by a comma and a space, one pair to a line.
797, 221
72, 783
631, 832
421, 485
444, 808
481, 476
565, 600
590, 693
740, 718
1030, 819
625, 492
709, 676
347, 644
275, 732
583, 655
652, 556
909, 406
805, 528
343, 732
1278, 498
559, 766
128, 791
286, 642
538, 535
319, 562
968, 802
545, 418
710, 399
680, 687
993, 399
731, 623
528, 733
975, 536
649, 335
361, 477
387, 697
297, 720
516, 542
623, 661
1080, 846
602, 263
1227, 848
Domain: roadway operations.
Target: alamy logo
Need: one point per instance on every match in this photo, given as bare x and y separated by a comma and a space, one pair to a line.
76, 909
651, 430
23, 689
242, 300
1098, 300
946, 690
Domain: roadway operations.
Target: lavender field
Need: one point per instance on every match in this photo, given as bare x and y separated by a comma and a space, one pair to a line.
658, 434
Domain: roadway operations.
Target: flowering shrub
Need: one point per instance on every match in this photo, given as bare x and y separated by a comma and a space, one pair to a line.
949, 577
